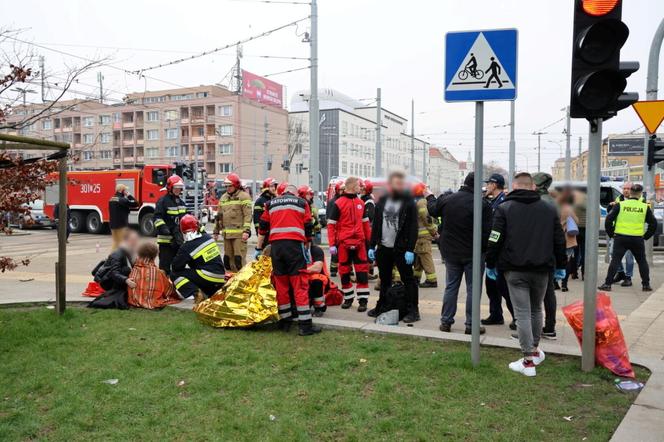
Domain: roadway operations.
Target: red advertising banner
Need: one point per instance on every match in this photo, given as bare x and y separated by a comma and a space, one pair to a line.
261, 89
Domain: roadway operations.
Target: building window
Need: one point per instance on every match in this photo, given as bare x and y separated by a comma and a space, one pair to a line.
201, 94
47, 124
105, 154
148, 100
104, 119
170, 115
88, 138
105, 137
153, 152
344, 167
344, 127
226, 110
88, 155
172, 151
225, 130
171, 134
153, 134
225, 167
200, 131
225, 149
88, 121
153, 116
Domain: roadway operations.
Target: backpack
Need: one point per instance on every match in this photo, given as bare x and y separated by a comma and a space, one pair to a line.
101, 277
395, 299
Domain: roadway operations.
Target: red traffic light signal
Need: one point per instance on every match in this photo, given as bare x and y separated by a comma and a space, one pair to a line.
598, 8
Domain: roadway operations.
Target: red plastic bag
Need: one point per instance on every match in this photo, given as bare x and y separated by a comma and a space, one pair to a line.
93, 290
610, 347
333, 296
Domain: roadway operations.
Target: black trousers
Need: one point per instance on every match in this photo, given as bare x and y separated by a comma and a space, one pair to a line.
550, 305
188, 282
386, 259
636, 245
497, 291
166, 254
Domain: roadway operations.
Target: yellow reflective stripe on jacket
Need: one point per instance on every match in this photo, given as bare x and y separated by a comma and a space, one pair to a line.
212, 277
236, 202
632, 217
159, 222
231, 231
164, 239
180, 282
423, 232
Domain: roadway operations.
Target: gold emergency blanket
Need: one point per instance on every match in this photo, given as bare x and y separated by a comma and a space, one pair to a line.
248, 298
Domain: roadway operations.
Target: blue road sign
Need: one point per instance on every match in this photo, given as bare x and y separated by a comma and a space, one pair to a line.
481, 65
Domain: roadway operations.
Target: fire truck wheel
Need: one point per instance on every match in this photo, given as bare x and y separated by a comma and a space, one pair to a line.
147, 225
77, 221
93, 223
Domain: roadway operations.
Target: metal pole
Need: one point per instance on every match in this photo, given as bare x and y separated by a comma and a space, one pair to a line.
477, 233
539, 152
379, 146
412, 137
61, 295
651, 94
42, 76
568, 149
265, 126
100, 79
512, 155
255, 157
314, 148
592, 238
196, 180
425, 152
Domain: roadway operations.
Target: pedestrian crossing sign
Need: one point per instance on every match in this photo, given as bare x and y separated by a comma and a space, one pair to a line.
481, 65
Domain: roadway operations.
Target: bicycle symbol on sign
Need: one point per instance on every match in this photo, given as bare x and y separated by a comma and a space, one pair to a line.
471, 70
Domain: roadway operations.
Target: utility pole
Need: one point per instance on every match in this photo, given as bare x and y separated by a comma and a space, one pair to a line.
238, 71
265, 126
568, 149
255, 152
539, 149
425, 173
512, 148
24, 91
379, 145
42, 77
100, 79
314, 139
412, 137
651, 94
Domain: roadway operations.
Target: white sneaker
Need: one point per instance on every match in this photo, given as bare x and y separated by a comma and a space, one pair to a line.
539, 359
519, 367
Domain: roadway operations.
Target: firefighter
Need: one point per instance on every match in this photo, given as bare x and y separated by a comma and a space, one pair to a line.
626, 225
307, 193
366, 195
168, 211
349, 232
334, 259
197, 268
268, 191
234, 222
287, 220
426, 232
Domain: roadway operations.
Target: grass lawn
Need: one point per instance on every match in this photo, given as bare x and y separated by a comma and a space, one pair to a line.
181, 380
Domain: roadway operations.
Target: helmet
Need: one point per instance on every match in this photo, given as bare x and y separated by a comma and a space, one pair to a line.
368, 186
281, 188
188, 223
304, 191
337, 187
234, 180
418, 189
174, 181
269, 182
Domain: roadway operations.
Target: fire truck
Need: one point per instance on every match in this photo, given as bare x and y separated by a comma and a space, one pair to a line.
88, 194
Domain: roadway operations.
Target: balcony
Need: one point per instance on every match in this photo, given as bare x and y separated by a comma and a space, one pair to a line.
184, 120
197, 139
129, 142
128, 125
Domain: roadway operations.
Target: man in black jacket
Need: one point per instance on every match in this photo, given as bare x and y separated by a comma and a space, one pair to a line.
393, 238
456, 245
526, 243
116, 272
119, 207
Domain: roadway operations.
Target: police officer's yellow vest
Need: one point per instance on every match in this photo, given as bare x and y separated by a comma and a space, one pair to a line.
632, 218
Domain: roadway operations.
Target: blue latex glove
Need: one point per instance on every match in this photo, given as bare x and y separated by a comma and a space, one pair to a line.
559, 274
257, 253
491, 273
333, 250
371, 254
410, 257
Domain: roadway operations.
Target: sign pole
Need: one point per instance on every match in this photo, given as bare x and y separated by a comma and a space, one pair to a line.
477, 233
512, 154
592, 239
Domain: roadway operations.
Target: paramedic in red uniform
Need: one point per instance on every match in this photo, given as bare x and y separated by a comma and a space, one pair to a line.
287, 218
349, 232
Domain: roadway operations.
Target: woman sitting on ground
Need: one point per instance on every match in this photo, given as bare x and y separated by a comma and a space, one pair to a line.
153, 288
115, 274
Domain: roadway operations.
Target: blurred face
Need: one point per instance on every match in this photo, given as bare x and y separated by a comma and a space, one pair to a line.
352, 187
131, 242
626, 189
397, 184
491, 188
273, 189
177, 190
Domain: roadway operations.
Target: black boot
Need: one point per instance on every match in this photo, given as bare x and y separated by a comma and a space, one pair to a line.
646, 288
606, 287
347, 304
307, 328
620, 276
285, 324
363, 305
428, 284
412, 316
627, 282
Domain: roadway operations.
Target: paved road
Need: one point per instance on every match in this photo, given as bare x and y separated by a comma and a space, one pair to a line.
36, 281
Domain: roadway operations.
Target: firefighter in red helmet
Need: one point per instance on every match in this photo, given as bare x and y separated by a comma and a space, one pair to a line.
307, 193
426, 232
167, 213
234, 222
287, 220
334, 259
268, 191
366, 195
197, 267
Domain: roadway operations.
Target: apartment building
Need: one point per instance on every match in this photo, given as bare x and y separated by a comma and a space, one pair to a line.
443, 170
347, 139
225, 131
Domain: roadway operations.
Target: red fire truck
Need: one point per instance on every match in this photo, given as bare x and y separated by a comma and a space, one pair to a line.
88, 193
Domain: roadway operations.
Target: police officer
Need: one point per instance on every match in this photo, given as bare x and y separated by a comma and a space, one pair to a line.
167, 213
625, 272
625, 224
197, 267
426, 232
268, 191
234, 222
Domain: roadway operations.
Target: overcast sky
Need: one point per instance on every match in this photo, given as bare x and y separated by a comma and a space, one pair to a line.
363, 44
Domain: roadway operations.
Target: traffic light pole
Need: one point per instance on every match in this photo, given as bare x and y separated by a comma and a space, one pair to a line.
314, 148
477, 233
592, 239
651, 94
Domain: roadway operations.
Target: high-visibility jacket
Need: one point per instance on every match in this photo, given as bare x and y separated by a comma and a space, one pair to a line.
426, 229
203, 256
259, 206
314, 217
286, 217
167, 213
348, 223
632, 217
234, 215
622, 198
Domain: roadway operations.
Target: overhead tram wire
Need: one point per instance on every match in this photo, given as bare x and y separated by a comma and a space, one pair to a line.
286, 72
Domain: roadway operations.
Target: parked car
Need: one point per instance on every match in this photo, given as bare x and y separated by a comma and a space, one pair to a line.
34, 218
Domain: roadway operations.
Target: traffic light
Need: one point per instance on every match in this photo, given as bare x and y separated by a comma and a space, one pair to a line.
655, 151
598, 76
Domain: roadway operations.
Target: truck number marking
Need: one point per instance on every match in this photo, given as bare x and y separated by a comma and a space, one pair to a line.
91, 188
